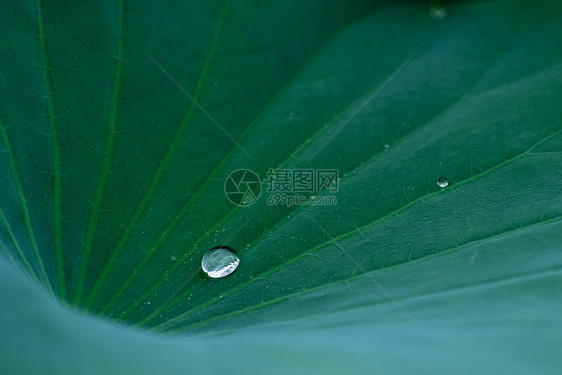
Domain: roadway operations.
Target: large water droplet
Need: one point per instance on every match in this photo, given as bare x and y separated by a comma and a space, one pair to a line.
219, 262
442, 182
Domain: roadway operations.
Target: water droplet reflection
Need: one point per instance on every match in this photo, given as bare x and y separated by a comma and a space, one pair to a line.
442, 182
437, 12
219, 262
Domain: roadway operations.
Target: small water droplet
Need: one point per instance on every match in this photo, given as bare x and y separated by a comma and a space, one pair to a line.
219, 262
173, 258
437, 12
442, 182
148, 302
386, 145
